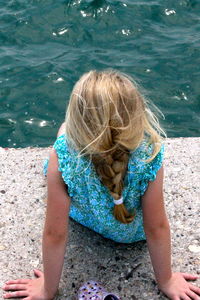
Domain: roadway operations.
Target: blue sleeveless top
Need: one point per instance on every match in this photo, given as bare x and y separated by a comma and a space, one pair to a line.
91, 202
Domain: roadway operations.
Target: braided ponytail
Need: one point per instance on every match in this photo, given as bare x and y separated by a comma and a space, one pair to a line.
111, 169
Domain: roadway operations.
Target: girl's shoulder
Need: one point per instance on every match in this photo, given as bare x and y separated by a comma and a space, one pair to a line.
63, 148
139, 164
144, 152
68, 157
61, 144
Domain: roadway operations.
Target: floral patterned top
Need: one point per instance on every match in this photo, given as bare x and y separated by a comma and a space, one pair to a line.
91, 202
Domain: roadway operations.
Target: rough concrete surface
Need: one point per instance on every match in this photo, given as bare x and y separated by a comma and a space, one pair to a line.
125, 269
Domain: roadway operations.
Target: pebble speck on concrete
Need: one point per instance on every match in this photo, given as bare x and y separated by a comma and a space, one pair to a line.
123, 268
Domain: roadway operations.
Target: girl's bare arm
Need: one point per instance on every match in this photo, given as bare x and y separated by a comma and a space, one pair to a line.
157, 230
44, 286
56, 226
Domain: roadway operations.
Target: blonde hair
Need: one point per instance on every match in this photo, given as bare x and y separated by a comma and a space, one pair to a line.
107, 118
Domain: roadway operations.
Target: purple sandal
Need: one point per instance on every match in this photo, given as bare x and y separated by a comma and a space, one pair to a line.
92, 290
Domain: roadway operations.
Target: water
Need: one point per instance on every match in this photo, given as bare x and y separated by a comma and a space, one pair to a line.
46, 45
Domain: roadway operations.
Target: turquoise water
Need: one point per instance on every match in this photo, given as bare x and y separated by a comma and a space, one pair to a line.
46, 45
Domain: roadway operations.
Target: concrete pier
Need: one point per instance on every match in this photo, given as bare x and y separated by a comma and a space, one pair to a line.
125, 269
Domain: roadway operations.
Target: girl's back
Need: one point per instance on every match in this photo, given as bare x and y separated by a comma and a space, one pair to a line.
91, 201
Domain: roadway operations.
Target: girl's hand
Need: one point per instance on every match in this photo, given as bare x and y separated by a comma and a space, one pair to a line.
177, 287
28, 289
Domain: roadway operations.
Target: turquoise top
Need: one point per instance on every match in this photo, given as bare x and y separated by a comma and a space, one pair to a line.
91, 202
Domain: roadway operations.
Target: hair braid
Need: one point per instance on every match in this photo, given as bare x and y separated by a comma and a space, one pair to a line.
106, 118
111, 168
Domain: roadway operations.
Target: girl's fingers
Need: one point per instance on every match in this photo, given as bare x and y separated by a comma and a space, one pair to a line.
38, 273
193, 295
195, 289
185, 297
15, 287
188, 276
18, 281
15, 294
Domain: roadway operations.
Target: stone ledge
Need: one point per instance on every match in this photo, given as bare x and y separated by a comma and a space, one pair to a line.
119, 267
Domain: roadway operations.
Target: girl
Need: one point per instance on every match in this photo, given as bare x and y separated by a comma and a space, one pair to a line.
105, 171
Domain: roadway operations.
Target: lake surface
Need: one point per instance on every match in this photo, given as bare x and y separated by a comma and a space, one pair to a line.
46, 45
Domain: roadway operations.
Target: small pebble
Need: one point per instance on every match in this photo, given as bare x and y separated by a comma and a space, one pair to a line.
194, 248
